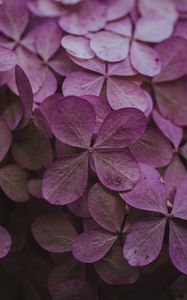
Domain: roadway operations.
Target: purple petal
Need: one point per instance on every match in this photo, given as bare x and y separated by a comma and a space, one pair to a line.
109, 46
116, 169
153, 29
77, 46
41, 122
180, 204
83, 83
48, 88
80, 207
118, 8
172, 132
173, 176
149, 107
125, 94
123, 68
91, 246
174, 59
11, 111
8, 59
46, 8
66, 179
145, 59
13, 181
61, 63
35, 187
183, 150
49, 104
25, 91
93, 64
153, 149
178, 246
5, 138
73, 122
6, 242
121, 128
149, 193
170, 98
122, 27
144, 240
106, 209
53, 232
181, 29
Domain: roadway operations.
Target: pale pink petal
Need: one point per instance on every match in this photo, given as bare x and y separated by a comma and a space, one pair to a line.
118, 8
109, 46
122, 27
43, 8
145, 59
82, 83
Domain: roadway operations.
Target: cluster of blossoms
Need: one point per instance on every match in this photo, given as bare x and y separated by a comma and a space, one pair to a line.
93, 147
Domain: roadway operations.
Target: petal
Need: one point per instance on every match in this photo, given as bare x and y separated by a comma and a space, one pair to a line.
13, 181
180, 29
145, 59
48, 88
183, 150
122, 68
61, 63
117, 170
144, 240
109, 46
180, 203
66, 179
174, 59
35, 187
122, 27
73, 122
8, 59
80, 206
122, 94
25, 91
53, 232
153, 149
11, 111
82, 83
106, 208
121, 128
118, 8
171, 131
170, 98
46, 8
153, 29
93, 245
5, 138
6, 242
94, 64
149, 193
178, 246
77, 46
173, 175
115, 270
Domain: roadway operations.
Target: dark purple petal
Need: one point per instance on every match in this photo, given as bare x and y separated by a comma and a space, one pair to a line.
53, 232
66, 179
35, 187
116, 169
13, 181
121, 128
6, 242
183, 150
180, 204
153, 149
11, 111
5, 138
115, 270
77, 46
73, 122
143, 241
94, 64
118, 8
8, 59
106, 208
91, 246
178, 246
149, 193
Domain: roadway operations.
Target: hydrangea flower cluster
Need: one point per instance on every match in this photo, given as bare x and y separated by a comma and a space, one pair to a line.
93, 148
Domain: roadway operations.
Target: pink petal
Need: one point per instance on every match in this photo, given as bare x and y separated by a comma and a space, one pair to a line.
91, 246
181, 29
118, 8
66, 179
144, 240
153, 149
117, 170
73, 122
174, 59
180, 204
109, 46
153, 29
178, 246
173, 175
46, 8
145, 59
77, 46
53, 232
172, 132
149, 107
115, 270
82, 83
8, 59
121, 128
125, 94
122, 27
6, 242
149, 193
5, 138
48, 88
170, 98
93, 64
106, 209
122, 68
68, 2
